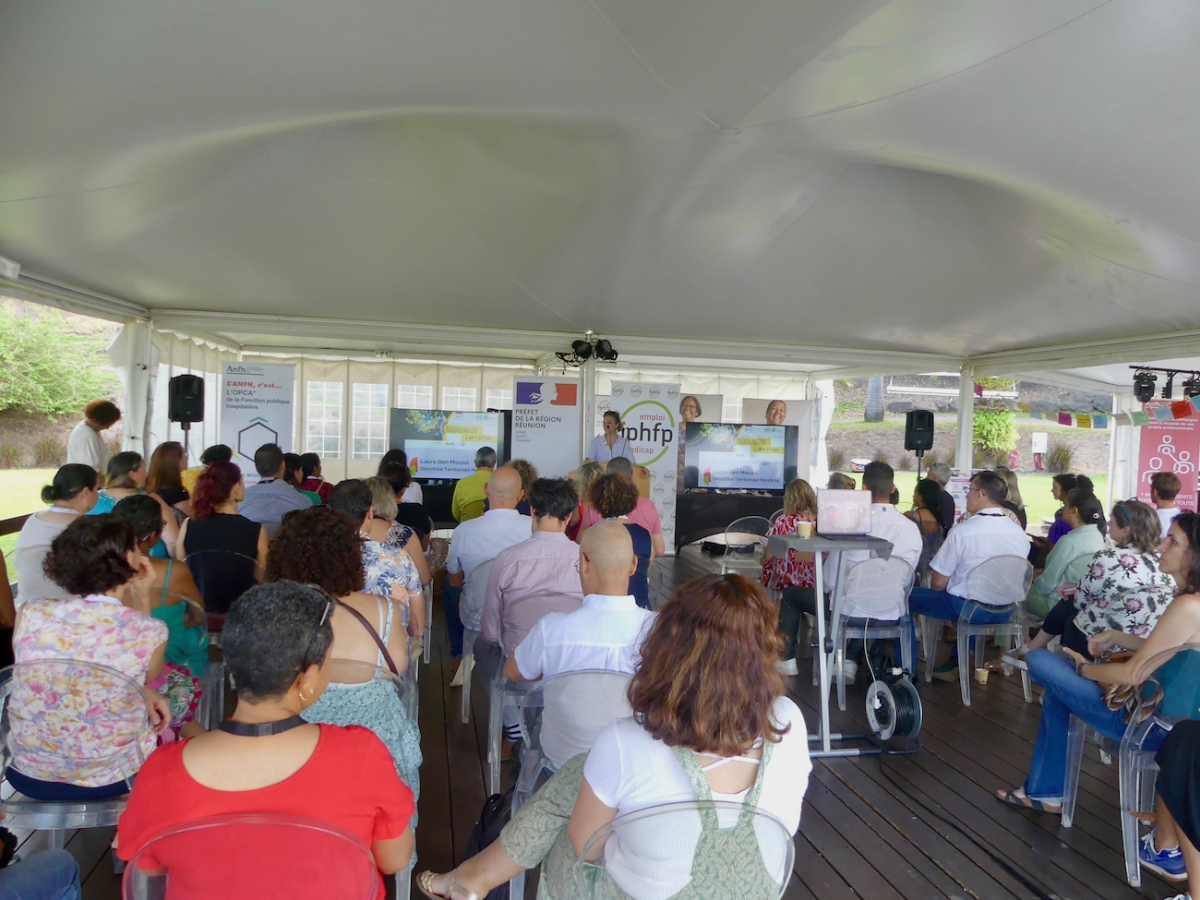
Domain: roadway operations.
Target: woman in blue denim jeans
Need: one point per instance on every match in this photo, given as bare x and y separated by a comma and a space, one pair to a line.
1076, 686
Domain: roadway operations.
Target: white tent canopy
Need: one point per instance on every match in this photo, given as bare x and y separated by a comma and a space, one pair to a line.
835, 187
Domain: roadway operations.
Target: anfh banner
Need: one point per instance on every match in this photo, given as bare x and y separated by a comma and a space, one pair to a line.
650, 413
1169, 445
256, 409
545, 427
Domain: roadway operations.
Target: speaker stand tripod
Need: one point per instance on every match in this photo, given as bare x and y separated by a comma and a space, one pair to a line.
920, 454
187, 455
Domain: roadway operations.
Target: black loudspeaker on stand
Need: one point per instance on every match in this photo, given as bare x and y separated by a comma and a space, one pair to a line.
185, 403
918, 434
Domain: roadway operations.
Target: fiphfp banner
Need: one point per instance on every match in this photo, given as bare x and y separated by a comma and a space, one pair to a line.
650, 413
545, 428
256, 409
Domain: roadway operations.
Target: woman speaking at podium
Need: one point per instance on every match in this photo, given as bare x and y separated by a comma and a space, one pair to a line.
610, 444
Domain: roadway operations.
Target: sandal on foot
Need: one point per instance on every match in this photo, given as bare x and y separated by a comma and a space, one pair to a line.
425, 886
1012, 798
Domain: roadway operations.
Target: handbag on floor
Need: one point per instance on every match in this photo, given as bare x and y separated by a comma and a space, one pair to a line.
497, 810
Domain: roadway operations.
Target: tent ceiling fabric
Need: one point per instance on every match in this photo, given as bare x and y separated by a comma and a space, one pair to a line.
926, 176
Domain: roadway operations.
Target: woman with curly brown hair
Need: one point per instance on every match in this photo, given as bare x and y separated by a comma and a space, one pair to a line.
614, 497
711, 720
323, 547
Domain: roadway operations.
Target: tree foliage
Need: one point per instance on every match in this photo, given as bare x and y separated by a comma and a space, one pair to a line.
995, 430
47, 366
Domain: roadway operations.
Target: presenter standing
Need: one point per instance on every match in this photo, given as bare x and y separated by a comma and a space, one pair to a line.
610, 444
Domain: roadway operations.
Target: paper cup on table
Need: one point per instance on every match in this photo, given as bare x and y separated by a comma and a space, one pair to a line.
981, 675
804, 529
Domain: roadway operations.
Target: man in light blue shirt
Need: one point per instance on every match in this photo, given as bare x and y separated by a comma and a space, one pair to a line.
268, 501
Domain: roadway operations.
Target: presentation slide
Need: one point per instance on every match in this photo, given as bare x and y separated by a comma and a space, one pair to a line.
739, 457
442, 445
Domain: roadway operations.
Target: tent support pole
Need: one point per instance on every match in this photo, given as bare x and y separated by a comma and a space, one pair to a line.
964, 448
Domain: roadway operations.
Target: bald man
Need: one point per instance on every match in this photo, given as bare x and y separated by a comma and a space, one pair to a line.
477, 541
606, 632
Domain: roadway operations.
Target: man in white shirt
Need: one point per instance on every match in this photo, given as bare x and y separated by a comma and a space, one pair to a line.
479, 540
85, 445
888, 523
1164, 488
988, 533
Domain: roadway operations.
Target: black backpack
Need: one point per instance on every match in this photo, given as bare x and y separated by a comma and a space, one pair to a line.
497, 810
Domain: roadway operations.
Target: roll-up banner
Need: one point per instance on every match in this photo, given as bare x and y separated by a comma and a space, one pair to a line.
256, 409
650, 411
545, 428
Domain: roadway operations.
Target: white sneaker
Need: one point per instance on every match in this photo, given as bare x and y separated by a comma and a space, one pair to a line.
787, 666
849, 671
457, 680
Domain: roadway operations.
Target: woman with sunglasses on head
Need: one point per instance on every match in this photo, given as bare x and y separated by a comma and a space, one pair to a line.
266, 759
1076, 686
323, 547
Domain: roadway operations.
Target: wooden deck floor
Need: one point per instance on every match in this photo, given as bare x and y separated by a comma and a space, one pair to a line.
874, 828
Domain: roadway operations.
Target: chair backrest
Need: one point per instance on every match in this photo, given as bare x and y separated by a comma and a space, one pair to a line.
576, 707
877, 589
1176, 675
651, 853
474, 595
222, 576
1000, 581
77, 718
744, 536
775, 515
268, 857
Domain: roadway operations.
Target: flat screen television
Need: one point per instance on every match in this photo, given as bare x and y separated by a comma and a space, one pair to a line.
740, 457
440, 444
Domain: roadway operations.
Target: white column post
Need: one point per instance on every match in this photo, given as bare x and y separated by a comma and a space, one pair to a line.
587, 382
964, 448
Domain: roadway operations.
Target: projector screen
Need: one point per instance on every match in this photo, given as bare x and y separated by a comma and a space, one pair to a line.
740, 457
442, 445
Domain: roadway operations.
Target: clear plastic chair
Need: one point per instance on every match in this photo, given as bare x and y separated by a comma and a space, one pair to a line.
659, 842
744, 540
873, 605
428, 637
775, 515
206, 858
470, 611
998, 585
55, 691
560, 717
1137, 769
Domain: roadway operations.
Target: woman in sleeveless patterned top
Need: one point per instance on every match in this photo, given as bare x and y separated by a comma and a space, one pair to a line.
710, 722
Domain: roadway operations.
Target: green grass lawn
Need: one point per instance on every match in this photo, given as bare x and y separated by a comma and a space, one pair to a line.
20, 492
1035, 491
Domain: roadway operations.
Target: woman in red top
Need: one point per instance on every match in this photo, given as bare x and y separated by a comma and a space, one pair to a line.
267, 760
792, 575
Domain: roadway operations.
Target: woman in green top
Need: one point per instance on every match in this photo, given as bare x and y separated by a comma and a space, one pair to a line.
1083, 512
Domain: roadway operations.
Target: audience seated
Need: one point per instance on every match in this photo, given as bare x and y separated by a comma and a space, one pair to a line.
72, 493
470, 492
987, 534
941, 473
384, 528
126, 477
927, 513
615, 498
644, 513
1164, 488
584, 477
48, 875
530, 579
225, 551
1075, 686
529, 474
8, 615
293, 474
1123, 589
271, 498
388, 571
1014, 503
310, 465
214, 454
175, 599
1171, 851
266, 760
711, 720
323, 547
1084, 515
412, 491
478, 541
1060, 485
792, 575
409, 513
839, 481
106, 622
165, 476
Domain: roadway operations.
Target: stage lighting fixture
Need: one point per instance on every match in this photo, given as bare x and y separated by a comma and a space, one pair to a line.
1191, 387
582, 350
1169, 387
1143, 386
605, 351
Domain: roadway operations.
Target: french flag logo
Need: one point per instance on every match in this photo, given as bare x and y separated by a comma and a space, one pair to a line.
552, 393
